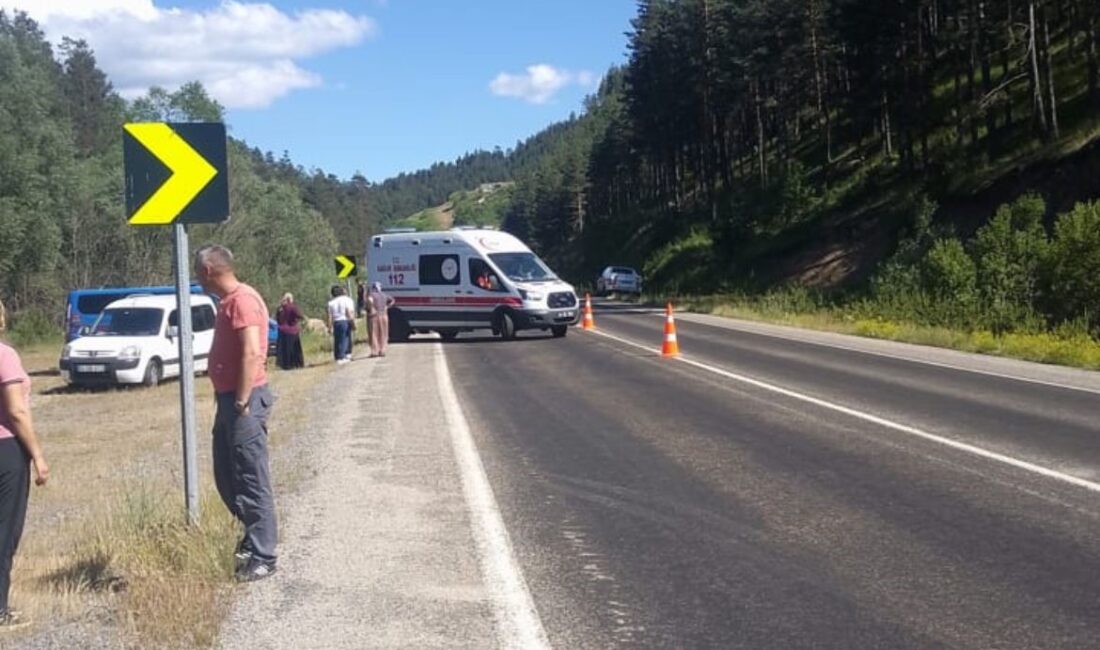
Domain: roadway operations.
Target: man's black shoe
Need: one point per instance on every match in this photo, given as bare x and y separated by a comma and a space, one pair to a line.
256, 570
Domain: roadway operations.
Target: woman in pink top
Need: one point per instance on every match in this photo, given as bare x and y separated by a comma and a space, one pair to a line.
19, 449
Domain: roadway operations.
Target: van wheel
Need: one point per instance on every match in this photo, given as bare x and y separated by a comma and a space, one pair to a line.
399, 328
559, 331
507, 326
448, 335
153, 373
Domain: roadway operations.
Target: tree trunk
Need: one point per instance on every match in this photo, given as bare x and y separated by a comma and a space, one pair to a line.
820, 93
760, 140
1050, 75
972, 70
1093, 55
987, 73
1036, 79
887, 138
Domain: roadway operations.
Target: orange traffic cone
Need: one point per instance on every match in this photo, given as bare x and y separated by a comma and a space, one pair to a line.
589, 321
671, 348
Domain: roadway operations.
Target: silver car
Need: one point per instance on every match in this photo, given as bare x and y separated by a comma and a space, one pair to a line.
619, 279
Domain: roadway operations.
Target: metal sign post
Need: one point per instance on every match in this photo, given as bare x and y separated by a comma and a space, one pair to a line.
176, 174
187, 372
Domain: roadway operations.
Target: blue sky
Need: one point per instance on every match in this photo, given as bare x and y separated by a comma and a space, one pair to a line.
374, 86
418, 92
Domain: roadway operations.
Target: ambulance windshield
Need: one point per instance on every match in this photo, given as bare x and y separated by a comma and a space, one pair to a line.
523, 267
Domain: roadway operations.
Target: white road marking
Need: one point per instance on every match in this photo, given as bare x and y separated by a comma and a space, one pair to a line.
517, 620
885, 355
890, 424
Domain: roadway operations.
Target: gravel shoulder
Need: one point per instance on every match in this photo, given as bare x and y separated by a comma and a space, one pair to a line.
376, 545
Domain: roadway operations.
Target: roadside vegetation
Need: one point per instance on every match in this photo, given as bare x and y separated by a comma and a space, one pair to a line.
1010, 290
106, 548
61, 213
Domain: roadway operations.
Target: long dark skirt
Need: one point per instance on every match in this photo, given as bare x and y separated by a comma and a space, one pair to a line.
288, 351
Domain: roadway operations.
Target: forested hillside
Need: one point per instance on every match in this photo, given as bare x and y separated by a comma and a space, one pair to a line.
749, 144
780, 126
61, 213
745, 144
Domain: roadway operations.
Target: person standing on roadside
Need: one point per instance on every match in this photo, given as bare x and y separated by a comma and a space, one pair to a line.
19, 450
360, 298
288, 347
341, 316
378, 305
244, 401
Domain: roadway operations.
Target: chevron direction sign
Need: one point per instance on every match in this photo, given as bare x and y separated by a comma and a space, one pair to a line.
346, 266
176, 173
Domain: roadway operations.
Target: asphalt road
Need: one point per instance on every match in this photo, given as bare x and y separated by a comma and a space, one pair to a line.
659, 504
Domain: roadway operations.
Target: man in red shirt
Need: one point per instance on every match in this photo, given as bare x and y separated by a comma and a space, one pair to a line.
237, 369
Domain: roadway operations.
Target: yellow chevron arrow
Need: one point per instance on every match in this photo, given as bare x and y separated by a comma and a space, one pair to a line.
190, 173
348, 267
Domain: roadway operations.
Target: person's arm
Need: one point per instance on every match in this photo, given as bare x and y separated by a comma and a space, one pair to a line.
252, 360
390, 301
19, 411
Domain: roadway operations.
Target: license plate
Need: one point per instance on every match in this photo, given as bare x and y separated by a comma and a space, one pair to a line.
567, 314
92, 368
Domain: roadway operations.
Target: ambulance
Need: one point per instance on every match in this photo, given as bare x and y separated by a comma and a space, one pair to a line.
464, 280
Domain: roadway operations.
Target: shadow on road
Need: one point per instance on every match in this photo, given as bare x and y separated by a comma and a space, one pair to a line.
480, 339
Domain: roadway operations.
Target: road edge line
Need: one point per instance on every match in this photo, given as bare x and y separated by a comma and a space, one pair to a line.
874, 419
688, 316
517, 619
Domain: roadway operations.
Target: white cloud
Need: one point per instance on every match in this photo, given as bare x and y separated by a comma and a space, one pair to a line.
539, 84
245, 53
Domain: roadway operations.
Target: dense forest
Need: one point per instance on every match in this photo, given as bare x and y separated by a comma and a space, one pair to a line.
749, 143
750, 117
744, 144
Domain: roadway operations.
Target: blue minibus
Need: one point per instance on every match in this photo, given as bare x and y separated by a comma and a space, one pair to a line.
84, 305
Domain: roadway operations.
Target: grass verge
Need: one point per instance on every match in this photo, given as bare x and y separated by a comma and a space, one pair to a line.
1067, 347
106, 548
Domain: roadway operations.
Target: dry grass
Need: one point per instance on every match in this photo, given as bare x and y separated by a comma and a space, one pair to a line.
106, 540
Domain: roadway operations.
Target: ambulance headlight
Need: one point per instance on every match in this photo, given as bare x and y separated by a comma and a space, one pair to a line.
531, 296
130, 352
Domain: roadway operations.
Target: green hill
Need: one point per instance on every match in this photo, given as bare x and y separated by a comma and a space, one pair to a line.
483, 206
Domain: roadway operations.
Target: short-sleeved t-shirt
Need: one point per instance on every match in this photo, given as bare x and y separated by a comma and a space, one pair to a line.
11, 372
339, 307
243, 307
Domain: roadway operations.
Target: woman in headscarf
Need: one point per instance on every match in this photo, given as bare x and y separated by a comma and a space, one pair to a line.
19, 450
288, 347
378, 305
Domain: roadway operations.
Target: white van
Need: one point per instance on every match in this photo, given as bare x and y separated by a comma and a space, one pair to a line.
463, 280
135, 341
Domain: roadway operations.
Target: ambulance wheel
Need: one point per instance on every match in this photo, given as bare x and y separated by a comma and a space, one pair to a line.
399, 328
559, 331
448, 335
507, 327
